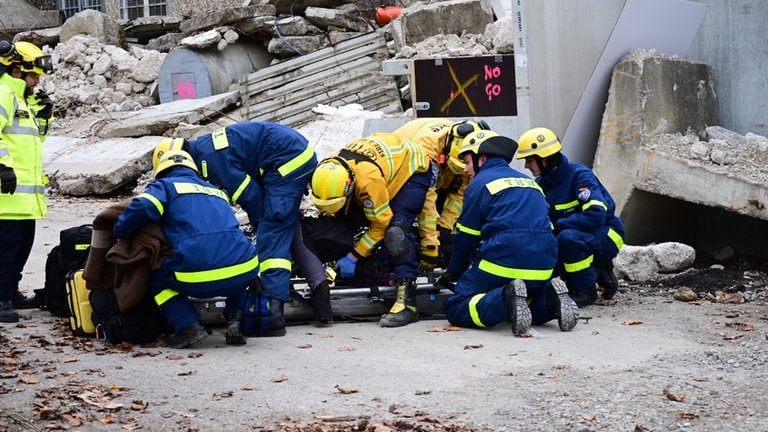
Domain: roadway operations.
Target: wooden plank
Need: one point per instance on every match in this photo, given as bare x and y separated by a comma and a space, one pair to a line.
266, 78
350, 94
287, 66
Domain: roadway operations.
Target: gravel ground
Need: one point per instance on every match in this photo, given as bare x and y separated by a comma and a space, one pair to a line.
643, 362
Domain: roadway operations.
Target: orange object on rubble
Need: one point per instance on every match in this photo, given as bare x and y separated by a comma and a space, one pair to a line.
385, 14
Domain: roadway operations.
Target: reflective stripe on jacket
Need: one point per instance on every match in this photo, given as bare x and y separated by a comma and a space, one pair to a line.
21, 148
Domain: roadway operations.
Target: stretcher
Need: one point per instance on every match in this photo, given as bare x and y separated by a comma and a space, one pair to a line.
349, 303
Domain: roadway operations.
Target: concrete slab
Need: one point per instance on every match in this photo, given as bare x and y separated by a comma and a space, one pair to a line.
156, 119
666, 178
83, 167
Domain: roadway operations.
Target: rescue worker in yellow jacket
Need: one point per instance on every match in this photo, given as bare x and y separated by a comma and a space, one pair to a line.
24, 120
388, 177
441, 139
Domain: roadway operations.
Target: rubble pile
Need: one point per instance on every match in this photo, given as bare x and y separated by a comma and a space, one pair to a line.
94, 77
497, 39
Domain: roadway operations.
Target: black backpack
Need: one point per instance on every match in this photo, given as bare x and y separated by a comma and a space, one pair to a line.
70, 254
143, 323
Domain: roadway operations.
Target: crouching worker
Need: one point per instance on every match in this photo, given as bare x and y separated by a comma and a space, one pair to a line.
210, 254
505, 234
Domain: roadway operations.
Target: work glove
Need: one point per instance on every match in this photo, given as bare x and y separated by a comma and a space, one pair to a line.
446, 280
7, 180
430, 258
346, 266
46, 104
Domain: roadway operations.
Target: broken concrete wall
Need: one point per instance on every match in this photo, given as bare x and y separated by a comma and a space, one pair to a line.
670, 171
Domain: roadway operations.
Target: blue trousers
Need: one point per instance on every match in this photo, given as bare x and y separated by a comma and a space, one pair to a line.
16, 239
276, 229
179, 310
405, 206
582, 247
477, 301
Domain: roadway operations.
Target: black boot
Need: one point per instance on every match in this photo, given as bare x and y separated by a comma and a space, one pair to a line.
321, 303
7, 313
276, 323
404, 310
606, 278
514, 295
233, 334
22, 302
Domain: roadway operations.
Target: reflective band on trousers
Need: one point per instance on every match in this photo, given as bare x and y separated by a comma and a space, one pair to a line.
275, 264
514, 273
219, 273
613, 235
579, 265
165, 295
473, 313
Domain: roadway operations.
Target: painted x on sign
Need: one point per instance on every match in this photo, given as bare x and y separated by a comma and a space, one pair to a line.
464, 86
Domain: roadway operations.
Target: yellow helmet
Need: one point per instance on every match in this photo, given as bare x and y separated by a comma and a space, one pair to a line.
540, 142
165, 145
455, 140
489, 143
173, 158
27, 56
332, 182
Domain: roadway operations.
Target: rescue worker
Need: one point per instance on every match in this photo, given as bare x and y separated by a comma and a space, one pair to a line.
441, 140
589, 234
24, 120
388, 177
265, 167
210, 255
504, 250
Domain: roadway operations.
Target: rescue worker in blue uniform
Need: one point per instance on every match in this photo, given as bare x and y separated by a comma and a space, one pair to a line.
504, 249
24, 119
265, 167
589, 234
210, 255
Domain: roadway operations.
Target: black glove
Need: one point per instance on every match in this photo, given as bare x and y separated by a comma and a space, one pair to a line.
46, 103
7, 180
447, 281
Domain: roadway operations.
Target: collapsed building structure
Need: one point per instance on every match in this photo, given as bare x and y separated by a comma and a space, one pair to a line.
675, 175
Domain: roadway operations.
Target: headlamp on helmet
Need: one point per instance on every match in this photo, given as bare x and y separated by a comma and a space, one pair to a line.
332, 183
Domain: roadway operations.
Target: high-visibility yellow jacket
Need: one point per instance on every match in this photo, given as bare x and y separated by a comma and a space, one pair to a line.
21, 148
431, 134
381, 164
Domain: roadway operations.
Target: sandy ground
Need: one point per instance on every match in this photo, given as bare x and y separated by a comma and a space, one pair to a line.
644, 363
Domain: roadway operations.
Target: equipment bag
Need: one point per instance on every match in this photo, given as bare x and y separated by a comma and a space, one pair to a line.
70, 254
256, 310
143, 323
77, 295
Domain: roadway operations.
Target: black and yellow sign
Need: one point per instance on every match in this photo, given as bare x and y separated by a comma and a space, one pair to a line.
464, 86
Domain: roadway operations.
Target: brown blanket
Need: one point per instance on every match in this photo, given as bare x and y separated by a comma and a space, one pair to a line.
125, 264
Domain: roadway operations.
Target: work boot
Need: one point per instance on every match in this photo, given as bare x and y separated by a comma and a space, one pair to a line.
561, 305
22, 302
7, 313
321, 303
606, 278
276, 323
585, 297
188, 336
232, 334
514, 296
404, 311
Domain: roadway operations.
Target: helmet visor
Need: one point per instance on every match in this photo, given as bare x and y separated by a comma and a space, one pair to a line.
329, 207
42, 64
